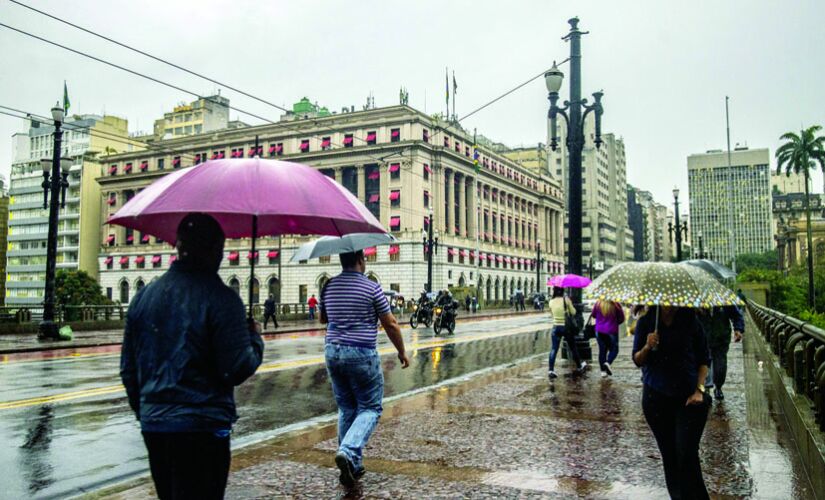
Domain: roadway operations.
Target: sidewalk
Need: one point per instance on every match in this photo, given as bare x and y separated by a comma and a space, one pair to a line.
22, 343
512, 434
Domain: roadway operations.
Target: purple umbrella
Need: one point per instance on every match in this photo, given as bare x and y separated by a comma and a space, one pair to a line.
568, 281
249, 198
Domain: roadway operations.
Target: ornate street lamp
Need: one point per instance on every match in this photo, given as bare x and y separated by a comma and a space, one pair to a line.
677, 227
55, 182
430, 247
574, 112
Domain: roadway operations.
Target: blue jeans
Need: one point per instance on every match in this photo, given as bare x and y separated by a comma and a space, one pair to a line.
608, 347
311, 313
358, 386
560, 332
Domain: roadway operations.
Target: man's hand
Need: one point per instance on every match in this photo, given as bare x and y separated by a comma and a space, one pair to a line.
737, 336
652, 340
697, 398
405, 361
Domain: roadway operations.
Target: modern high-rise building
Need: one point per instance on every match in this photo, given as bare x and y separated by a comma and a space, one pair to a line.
606, 237
402, 164
86, 139
731, 206
4, 229
203, 115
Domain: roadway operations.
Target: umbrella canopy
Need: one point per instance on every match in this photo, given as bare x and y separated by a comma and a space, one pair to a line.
286, 198
333, 245
716, 269
661, 284
568, 281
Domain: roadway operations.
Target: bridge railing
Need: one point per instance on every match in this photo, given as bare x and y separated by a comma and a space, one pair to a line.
800, 347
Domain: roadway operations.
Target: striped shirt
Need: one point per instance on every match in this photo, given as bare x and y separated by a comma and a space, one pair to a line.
352, 304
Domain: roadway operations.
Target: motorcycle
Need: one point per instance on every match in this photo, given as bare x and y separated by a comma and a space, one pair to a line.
445, 318
421, 314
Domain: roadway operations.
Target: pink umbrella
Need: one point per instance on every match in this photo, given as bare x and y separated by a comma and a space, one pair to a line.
568, 281
249, 198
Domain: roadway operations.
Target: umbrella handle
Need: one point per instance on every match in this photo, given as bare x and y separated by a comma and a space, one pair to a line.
656, 328
252, 262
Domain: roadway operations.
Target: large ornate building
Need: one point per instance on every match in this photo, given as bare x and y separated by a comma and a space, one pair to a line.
403, 165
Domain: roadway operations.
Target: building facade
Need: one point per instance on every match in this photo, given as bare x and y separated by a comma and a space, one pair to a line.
85, 139
198, 117
606, 236
731, 206
4, 236
403, 165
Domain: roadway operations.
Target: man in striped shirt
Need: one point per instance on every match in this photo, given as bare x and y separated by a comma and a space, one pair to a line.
351, 307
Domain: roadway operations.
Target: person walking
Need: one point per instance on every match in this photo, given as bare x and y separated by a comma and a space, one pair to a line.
186, 345
718, 323
467, 302
561, 307
312, 303
608, 315
674, 359
269, 311
351, 307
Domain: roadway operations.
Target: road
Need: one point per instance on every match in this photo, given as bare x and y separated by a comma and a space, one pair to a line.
68, 428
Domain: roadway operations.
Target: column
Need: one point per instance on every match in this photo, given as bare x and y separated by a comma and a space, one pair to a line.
384, 193
339, 175
474, 204
462, 205
362, 183
450, 187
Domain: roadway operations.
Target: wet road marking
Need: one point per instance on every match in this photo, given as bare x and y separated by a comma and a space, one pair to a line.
266, 368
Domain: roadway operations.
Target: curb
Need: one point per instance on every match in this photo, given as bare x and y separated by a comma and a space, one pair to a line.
265, 335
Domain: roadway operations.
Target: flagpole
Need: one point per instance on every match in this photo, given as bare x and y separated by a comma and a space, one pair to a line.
478, 216
447, 89
454, 93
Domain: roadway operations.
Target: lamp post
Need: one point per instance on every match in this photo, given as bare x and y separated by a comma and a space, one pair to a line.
677, 227
701, 247
54, 183
539, 261
430, 247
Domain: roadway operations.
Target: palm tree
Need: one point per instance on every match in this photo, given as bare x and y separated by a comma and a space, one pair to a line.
800, 154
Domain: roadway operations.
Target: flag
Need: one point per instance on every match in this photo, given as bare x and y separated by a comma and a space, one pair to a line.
475, 154
455, 85
447, 84
66, 102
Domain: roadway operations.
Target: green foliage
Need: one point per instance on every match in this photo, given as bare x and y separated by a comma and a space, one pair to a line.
801, 152
765, 261
77, 288
816, 319
789, 293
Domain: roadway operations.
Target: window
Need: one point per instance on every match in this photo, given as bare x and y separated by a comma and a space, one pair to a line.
326, 143
256, 291
302, 294
395, 198
160, 163
395, 171
234, 258
425, 135
124, 292
156, 261
273, 256
304, 145
395, 135
427, 172
324, 259
130, 236
372, 137
140, 262
348, 140
426, 199
176, 162
235, 285
450, 274
395, 253
395, 223
446, 142
109, 292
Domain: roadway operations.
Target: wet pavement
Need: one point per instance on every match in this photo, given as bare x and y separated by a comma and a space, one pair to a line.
510, 433
68, 429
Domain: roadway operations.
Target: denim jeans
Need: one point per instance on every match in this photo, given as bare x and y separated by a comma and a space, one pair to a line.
559, 332
608, 348
311, 313
358, 386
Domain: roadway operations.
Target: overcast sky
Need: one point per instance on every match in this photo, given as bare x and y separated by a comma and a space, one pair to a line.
665, 66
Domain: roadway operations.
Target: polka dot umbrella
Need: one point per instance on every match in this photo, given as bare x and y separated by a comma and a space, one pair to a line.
661, 284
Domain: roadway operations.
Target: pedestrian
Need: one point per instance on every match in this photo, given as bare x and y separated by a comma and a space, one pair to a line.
467, 302
312, 303
475, 304
718, 323
561, 307
186, 345
269, 311
608, 315
741, 295
674, 359
351, 307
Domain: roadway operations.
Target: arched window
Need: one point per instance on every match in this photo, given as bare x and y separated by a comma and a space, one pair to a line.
498, 290
124, 292
372, 277
322, 282
488, 296
235, 285
274, 287
139, 286
256, 291
461, 281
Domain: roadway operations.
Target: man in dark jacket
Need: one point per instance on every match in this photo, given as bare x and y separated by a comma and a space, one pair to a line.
187, 344
269, 312
718, 324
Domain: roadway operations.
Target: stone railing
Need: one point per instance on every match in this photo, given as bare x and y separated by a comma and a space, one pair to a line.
800, 348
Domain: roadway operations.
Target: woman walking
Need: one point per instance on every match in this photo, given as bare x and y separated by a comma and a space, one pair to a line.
561, 307
674, 358
608, 315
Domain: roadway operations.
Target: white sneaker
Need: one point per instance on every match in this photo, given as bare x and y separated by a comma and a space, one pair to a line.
607, 369
552, 374
604, 374
583, 366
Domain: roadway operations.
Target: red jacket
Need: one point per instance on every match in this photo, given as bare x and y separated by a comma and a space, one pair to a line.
312, 302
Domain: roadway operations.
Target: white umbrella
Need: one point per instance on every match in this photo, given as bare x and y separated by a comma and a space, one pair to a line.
333, 245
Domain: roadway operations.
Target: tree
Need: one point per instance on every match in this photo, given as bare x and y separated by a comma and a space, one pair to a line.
767, 261
77, 288
800, 154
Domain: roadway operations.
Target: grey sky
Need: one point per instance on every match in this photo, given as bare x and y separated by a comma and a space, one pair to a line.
665, 66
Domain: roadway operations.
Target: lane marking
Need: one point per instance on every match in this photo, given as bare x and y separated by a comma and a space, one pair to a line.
265, 368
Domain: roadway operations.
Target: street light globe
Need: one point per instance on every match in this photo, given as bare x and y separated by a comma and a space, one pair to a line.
66, 165
46, 165
675, 192
57, 114
553, 79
